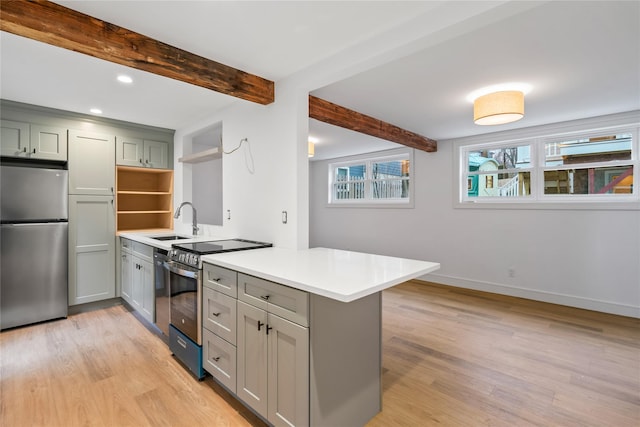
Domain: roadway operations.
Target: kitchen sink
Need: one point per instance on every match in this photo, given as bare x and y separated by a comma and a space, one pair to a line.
172, 237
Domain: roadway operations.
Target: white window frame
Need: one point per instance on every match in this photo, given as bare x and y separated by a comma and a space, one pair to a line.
368, 159
537, 137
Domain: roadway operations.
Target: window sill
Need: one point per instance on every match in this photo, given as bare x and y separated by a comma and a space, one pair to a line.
559, 205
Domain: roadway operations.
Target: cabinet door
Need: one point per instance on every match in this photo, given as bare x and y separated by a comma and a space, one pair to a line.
91, 249
48, 143
126, 266
14, 139
129, 151
137, 278
147, 307
252, 357
288, 355
91, 163
156, 154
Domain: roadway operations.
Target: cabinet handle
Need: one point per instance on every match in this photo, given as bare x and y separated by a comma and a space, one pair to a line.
182, 343
216, 314
141, 161
24, 149
216, 358
268, 329
217, 280
265, 297
34, 151
260, 324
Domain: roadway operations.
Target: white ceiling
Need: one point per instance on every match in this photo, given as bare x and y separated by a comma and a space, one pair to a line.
412, 63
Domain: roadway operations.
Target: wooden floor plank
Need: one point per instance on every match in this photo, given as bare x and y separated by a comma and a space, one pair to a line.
451, 357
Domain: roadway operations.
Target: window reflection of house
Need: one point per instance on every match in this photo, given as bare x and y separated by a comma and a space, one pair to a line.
482, 187
598, 175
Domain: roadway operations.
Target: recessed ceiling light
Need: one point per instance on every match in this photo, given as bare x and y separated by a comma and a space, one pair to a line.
525, 88
124, 79
96, 111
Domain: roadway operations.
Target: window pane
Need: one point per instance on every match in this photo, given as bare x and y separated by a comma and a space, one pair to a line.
603, 180
389, 179
588, 150
499, 185
397, 188
500, 158
349, 182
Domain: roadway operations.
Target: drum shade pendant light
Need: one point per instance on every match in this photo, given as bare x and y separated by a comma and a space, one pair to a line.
498, 108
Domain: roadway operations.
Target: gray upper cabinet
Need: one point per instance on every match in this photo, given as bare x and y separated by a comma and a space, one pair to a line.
31, 141
91, 163
142, 153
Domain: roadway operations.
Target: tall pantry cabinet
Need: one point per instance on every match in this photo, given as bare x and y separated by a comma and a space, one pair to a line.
91, 217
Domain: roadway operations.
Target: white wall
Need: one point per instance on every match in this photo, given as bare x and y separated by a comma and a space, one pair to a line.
582, 258
264, 177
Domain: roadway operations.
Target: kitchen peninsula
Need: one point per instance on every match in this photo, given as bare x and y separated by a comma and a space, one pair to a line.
302, 339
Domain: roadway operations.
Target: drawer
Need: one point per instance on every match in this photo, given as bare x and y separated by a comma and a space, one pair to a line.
142, 250
219, 314
219, 359
125, 244
221, 279
289, 303
188, 352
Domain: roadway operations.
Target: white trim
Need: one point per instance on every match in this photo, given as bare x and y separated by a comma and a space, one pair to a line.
536, 295
386, 155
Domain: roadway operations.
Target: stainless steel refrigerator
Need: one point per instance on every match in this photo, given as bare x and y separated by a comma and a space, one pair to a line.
33, 245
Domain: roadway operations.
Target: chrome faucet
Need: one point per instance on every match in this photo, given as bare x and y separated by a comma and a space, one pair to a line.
195, 216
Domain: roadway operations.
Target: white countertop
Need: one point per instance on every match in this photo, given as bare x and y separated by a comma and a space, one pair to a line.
337, 274
341, 275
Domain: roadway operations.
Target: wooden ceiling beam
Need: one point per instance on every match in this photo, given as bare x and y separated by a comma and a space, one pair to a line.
337, 115
57, 25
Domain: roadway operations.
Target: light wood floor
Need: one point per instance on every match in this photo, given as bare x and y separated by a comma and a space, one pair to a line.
451, 358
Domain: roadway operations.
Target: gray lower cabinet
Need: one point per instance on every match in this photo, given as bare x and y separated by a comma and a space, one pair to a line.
219, 306
298, 358
91, 249
126, 263
273, 366
258, 349
32, 141
136, 277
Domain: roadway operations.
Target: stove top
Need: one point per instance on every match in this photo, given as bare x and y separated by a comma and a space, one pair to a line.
216, 246
190, 253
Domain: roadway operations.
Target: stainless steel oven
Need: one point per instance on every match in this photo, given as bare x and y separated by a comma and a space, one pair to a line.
185, 288
185, 300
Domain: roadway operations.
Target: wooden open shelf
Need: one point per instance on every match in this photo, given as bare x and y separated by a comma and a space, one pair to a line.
144, 199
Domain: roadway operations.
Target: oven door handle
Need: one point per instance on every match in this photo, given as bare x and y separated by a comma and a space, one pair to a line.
174, 268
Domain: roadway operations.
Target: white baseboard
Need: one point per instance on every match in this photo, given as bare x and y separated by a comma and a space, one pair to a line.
550, 297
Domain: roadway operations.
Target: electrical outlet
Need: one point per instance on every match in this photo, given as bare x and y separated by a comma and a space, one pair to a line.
511, 271
284, 217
